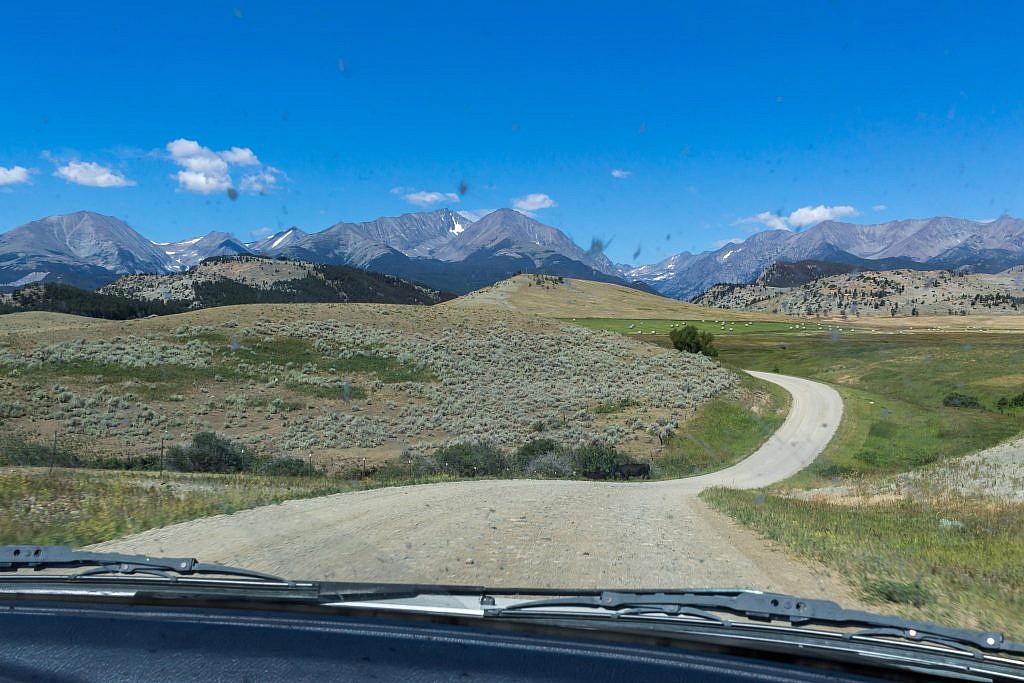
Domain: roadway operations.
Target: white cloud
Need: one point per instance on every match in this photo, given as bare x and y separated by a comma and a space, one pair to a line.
809, 215
879, 207
475, 214
205, 171
261, 182
804, 216
14, 175
533, 202
240, 156
718, 244
91, 174
423, 198
772, 220
619, 173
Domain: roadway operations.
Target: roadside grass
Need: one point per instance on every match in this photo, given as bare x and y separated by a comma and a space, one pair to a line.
953, 560
79, 507
76, 507
725, 430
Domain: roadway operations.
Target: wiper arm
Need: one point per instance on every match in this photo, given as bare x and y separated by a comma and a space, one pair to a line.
37, 557
758, 606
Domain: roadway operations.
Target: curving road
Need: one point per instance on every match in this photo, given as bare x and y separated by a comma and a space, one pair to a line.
528, 532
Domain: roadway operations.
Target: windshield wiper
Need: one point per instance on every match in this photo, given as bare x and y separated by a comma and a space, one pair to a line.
757, 606
38, 557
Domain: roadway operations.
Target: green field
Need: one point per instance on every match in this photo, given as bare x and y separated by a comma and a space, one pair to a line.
893, 387
645, 327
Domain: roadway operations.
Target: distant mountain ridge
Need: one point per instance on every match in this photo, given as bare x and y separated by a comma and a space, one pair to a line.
441, 248
920, 244
82, 248
187, 253
447, 251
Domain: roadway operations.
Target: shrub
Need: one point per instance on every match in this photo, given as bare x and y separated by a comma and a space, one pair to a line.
596, 457
209, 453
552, 464
15, 450
284, 467
1011, 401
477, 459
692, 340
529, 451
958, 400
12, 409
614, 406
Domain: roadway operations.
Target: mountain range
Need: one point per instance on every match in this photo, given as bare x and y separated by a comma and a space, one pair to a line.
447, 251
441, 249
919, 244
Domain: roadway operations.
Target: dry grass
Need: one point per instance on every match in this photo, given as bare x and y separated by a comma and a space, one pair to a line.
952, 560
586, 299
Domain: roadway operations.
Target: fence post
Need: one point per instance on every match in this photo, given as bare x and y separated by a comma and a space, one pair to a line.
53, 451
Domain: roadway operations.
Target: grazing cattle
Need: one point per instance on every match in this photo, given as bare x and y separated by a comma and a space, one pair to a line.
596, 474
633, 469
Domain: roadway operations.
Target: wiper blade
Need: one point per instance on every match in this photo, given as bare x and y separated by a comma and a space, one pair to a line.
757, 606
38, 557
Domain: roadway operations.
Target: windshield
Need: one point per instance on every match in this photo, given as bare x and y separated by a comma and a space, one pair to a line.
656, 295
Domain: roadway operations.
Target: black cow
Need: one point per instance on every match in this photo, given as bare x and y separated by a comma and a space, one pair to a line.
633, 469
596, 474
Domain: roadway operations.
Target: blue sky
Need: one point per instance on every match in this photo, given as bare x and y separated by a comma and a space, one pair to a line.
722, 117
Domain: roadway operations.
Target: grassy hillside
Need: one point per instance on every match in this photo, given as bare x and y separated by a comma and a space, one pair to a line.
555, 297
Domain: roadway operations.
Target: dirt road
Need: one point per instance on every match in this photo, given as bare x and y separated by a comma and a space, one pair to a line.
528, 532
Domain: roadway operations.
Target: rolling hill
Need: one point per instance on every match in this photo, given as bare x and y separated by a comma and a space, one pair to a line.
873, 294
555, 297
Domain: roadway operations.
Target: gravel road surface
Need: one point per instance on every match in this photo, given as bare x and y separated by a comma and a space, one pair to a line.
529, 532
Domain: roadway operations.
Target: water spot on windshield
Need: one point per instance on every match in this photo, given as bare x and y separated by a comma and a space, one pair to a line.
238, 13
598, 246
642, 129
341, 64
636, 253
463, 187
232, 194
